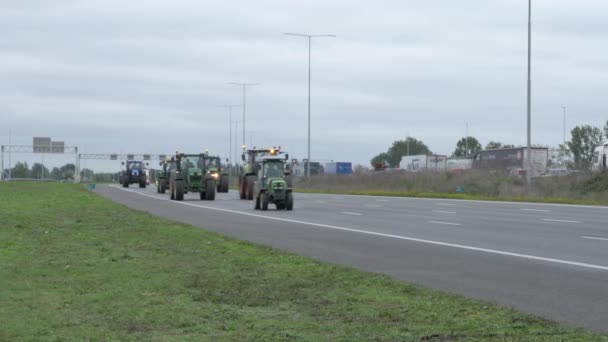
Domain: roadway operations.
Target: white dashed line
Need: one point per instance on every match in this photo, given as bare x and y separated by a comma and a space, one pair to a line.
392, 236
562, 221
443, 212
594, 238
445, 223
373, 205
538, 210
350, 213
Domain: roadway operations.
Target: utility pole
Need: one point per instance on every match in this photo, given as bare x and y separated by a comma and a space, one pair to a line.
230, 160
529, 104
309, 73
244, 85
466, 139
564, 139
10, 166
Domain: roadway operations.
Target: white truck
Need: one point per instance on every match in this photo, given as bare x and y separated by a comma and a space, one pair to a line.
423, 162
600, 158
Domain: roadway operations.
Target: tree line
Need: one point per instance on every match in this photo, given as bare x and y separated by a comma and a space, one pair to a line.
66, 172
577, 154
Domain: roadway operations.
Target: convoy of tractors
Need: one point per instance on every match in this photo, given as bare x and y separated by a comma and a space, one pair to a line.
264, 177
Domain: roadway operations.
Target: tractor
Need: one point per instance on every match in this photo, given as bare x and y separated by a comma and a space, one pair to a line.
193, 173
248, 172
133, 174
217, 171
271, 185
162, 183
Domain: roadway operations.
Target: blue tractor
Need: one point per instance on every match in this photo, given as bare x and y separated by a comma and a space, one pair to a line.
134, 174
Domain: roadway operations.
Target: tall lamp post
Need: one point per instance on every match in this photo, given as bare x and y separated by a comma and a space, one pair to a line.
244, 85
564, 137
529, 147
231, 161
309, 36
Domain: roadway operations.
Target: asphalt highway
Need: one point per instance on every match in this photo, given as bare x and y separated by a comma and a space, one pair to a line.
544, 259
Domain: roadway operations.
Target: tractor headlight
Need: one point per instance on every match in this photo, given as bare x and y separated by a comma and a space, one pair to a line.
215, 175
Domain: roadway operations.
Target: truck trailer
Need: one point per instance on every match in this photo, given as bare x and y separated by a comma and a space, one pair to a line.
513, 160
339, 168
600, 158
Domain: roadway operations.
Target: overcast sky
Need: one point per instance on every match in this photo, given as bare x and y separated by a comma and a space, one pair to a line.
148, 76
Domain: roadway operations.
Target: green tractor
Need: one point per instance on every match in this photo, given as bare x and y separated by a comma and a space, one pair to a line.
271, 185
217, 171
193, 173
248, 172
162, 182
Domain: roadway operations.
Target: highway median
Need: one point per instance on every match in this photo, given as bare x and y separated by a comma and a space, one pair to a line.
76, 266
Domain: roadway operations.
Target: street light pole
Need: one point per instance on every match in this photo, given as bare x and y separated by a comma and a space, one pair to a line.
309, 79
529, 104
244, 85
466, 139
564, 138
231, 161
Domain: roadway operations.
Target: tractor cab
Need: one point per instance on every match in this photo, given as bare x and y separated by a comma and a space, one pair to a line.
271, 168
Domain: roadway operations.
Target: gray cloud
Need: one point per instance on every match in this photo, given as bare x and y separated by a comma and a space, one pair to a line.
93, 72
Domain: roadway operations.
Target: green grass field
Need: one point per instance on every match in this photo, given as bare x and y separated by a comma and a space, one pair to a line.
76, 267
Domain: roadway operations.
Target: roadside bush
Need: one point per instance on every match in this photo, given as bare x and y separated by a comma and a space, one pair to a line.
475, 182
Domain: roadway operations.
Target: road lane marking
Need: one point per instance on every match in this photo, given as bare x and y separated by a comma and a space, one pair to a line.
445, 223
465, 201
373, 205
443, 212
562, 221
594, 238
538, 210
392, 236
351, 213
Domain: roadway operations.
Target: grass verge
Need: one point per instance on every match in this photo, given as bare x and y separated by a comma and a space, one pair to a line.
75, 266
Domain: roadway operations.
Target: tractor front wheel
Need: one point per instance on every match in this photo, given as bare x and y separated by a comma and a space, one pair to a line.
264, 201
210, 193
289, 202
179, 190
250, 180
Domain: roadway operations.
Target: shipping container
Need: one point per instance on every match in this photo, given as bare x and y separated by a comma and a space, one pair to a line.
339, 168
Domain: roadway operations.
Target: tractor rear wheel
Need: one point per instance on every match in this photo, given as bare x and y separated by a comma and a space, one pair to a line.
179, 190
171, 191
142, 184
289, 202
125, 182
264, 201
203, 195
163, 187
210, 193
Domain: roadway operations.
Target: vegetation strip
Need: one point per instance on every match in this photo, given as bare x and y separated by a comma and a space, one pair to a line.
79, 267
